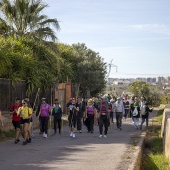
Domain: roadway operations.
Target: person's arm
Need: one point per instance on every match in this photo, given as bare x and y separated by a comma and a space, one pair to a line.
19, 111
148, 109
11, 111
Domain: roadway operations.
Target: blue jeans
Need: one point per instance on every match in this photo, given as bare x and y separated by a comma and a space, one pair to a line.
111, 116
136, 122
126, 113
143, 120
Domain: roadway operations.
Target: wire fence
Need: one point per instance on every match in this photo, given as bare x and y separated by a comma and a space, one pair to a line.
9, 91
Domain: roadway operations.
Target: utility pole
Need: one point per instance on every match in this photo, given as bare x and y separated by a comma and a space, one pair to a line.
110, 65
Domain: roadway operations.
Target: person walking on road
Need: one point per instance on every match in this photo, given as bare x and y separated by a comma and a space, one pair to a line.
57, 115
112, 102
30, 128
72, 117
25, 113
119, 109
135, 109
126, 107
145, 115
16, 119
104, 113
45, 111
90, 115
79, 106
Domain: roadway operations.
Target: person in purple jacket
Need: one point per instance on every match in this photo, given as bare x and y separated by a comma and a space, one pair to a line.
45, 110
90, 115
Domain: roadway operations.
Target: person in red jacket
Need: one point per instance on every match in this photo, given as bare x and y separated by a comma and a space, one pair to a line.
15, 118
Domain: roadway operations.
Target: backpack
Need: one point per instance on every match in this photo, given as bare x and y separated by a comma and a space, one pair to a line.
143, 110
135, 112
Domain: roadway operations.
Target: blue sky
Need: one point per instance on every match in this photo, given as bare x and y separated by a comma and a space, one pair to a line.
134, 33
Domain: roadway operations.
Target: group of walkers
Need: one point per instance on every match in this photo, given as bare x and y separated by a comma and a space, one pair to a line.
22, 118
101, 111
95, 111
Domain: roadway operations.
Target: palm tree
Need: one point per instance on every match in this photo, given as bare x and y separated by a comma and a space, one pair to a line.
24, 18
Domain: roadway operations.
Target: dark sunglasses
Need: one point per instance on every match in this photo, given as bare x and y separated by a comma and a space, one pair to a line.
23, 103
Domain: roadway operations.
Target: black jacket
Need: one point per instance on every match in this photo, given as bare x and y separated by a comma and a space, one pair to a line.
57, 114
147, 110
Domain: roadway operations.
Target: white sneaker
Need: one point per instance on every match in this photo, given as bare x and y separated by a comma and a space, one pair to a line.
71, 134
45, 136
100, 136
105, 136
74, 135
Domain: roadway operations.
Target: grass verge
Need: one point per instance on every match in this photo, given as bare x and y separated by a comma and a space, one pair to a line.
153, 157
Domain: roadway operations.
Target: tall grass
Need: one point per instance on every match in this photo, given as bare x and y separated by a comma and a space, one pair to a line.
154, 158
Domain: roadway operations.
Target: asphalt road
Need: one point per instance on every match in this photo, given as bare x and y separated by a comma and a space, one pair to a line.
61, 152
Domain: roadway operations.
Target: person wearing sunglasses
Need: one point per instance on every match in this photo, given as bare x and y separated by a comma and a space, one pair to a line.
25, 113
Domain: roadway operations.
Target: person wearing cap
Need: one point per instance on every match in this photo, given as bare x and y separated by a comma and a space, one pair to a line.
104, 113
25, 113
16, 119
45, 110
119, 110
